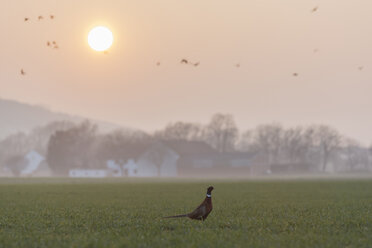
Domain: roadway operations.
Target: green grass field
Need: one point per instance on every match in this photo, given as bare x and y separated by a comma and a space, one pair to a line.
119, 213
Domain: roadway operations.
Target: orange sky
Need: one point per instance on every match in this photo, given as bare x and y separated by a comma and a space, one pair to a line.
271, 39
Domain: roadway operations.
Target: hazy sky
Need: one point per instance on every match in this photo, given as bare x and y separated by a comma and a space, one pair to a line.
271, 40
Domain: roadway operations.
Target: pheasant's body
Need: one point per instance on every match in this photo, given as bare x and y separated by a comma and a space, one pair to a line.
202, 211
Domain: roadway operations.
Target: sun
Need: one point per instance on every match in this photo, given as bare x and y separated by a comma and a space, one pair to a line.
100, 38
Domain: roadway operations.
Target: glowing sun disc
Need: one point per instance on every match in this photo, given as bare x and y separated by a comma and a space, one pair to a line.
100, 38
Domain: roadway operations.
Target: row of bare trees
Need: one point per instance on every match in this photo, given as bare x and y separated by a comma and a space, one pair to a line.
221, 132
67, 145
315, 145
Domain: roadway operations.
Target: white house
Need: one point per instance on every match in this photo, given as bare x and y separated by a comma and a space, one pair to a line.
33, 161
130, 168
87, 173
114, 168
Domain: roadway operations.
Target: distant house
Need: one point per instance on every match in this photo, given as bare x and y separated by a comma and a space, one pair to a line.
130, 168
115, 169
197, 158
31, 164
158, 160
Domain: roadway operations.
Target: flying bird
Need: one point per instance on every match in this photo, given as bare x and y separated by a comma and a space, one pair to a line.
184, 61
51, 17
196, 64
202, 211
54, 42
237, 65
314, 9
26, 19
158, 63
295, 74
23, 72
40, 18
361, 68
316, 50
56, 47
48, 43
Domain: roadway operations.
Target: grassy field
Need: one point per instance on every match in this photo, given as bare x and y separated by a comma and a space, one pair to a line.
119, 213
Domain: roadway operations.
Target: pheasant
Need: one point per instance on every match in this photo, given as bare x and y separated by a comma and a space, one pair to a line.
202, 211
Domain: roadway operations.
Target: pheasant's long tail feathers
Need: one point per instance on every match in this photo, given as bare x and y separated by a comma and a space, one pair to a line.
177, 216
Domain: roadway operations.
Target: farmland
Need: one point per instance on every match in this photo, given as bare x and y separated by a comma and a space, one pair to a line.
127, 213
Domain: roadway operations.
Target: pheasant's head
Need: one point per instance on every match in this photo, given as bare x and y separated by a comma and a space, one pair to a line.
209, 190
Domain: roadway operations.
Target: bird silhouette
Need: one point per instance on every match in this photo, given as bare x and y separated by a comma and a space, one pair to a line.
196, 64
48, 43
26, 19
158, 63
184, 61
202, 211
316, 50
295, 74
314, 9
54, 42
40, 17
23, 72
361, 68
56, 47
51, 17
237, 65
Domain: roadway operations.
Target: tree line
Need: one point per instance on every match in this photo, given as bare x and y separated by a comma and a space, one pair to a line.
67, 145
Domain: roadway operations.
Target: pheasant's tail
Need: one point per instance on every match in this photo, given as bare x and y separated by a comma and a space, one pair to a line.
177, 216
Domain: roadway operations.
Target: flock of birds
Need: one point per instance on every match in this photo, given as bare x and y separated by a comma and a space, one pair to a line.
52, 44
39, 18
184, 61
237, 65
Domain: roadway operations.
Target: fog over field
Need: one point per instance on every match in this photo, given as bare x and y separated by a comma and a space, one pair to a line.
184, 89
73, 148
188, 123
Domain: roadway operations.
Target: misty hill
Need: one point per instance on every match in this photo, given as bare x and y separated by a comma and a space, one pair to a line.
21, 117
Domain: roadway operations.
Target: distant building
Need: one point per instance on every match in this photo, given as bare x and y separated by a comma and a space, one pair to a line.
31, 164
158, 160
197, 158
130, 168
114, 168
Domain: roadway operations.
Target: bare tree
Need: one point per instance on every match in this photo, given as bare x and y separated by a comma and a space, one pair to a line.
297, 143
246, 142
121, 145
157, 155
222, 132
15, 164
181, 131
269, 140
357, 156
72, 148
328, 139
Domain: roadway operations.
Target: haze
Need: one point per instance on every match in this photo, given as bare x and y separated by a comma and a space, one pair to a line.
270, 40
